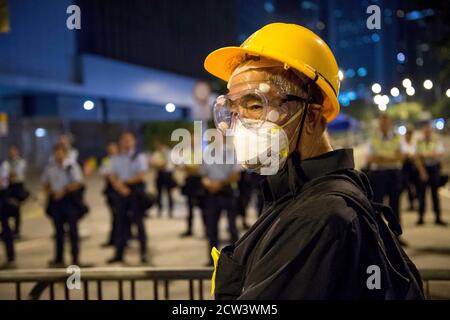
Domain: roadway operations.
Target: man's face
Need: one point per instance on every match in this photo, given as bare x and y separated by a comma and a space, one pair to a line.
13, 152
384, 123
113, 149
427, 130
64, 140
127, 141
277, 112
60, 155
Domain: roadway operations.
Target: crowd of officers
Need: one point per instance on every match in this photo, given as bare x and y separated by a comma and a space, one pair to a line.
395, 163
410, 162
212, 189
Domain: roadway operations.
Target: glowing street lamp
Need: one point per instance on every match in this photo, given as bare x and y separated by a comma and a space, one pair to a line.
410, 91
428, 84
395, 92
406, 83
376, 88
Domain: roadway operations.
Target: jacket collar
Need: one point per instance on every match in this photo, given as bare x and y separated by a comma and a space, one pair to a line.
290, 180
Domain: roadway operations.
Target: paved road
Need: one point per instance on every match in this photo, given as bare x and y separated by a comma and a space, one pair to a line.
429, 245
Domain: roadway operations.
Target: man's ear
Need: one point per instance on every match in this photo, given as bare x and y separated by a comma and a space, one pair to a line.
314, 117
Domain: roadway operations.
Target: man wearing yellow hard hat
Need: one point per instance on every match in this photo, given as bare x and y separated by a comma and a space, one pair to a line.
320, 236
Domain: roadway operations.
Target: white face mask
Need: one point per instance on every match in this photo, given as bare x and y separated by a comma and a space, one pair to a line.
264, 148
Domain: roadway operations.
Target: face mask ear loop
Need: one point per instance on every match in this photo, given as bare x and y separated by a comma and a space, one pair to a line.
302, 122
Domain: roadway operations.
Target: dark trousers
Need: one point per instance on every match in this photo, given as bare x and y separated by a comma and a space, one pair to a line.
410, 177
433, 182
387, 183
214, 205
65, 214
127, 211
164, 183
193, 190
7, 234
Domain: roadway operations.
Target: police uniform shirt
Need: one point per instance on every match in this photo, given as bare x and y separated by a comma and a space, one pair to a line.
18, 169
58, 177
220, 172
127, 165
408, 148
387, 146
432, 146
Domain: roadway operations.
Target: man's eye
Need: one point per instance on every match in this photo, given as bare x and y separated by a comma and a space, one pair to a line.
253, 107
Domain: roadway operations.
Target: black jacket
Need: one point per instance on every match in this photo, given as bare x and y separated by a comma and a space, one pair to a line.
316, 239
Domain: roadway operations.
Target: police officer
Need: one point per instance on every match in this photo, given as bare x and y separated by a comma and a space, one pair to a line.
164, 178
66, 139
6, 234
317, 236
193, 188
385, 160
63, 180
220, 179
430, 151
409, 170
127, 179
16, 191
108, 191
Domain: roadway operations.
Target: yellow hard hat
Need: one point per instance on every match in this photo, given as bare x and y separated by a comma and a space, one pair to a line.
296, 47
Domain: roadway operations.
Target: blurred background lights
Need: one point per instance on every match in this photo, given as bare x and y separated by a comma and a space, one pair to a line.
376, 88
401, 57
341, 75
406, 83
447, 93
439, 123
395, 92
428, 84
362, 72
382, 107
170, 107
378, 99
410, 91
401, 130
40, 132
88, 105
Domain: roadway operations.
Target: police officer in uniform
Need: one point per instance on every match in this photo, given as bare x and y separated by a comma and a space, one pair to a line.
220, 181
430, 151
63, 180
7, 234
164, 176
127, 179
193, 188
16, 190
105, 169
317, 235
385, 160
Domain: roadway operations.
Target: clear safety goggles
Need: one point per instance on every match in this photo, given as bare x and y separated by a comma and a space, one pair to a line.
252, 107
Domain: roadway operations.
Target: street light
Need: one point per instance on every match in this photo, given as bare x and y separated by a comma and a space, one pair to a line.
170, 107
384, 99
406, 83
376, 88
88, 105
395, 92
447, 93
410, 91
382, 107
428, 84
378, 99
